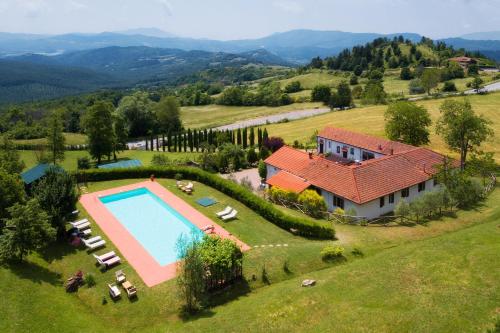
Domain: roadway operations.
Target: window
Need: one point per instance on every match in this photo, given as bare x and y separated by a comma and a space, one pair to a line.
329, 144
352, 151
421, 186
405, 193
382, 202
435, 182
391, 198
338, 202
338, 149
368, 156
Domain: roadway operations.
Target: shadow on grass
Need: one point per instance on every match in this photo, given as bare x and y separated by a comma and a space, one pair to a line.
228, 294
57, 251
37, 274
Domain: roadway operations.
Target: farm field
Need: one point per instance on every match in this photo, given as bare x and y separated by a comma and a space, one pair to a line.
437, 277
370, 120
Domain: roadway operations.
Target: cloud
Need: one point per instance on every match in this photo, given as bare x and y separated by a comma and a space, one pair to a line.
289, 6
33, 8
75, 5
167, 6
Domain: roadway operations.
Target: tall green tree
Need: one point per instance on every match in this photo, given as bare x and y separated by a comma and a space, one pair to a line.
430, 79
28, 229
244, 137
137, 109
461, 128
251, 137
120, 133
98, 124
321, 93
407, 122
482, 165
57, 194
11, 191
55, 136
10, 159
168, 114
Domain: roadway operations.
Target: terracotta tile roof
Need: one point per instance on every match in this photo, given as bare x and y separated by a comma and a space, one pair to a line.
288, 181
364, 141
462, 59
359, 183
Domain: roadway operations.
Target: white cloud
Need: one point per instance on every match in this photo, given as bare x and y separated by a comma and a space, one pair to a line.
76, 5
33, 8
167, 6
289, 6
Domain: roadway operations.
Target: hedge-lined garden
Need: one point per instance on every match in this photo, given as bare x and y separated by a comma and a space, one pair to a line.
300, 226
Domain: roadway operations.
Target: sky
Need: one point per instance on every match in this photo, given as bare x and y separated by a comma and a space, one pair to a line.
239, 19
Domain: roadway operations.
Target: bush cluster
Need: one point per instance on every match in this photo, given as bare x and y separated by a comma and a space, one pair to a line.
332, 252
262, 207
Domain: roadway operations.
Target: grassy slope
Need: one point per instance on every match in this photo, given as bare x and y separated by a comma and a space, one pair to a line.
71, 139
70, 160
217, 115
438, 277
370, 120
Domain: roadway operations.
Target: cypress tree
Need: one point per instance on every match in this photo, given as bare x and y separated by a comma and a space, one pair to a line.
210, 137
195, 139
238, 139
169, 140
185, 141
179, 142
252, 137
233, 137
205, 136
265, 136
152, 143
157, 143
175, 142
190, 140
259, 137
163, 142
146, 144
244, 138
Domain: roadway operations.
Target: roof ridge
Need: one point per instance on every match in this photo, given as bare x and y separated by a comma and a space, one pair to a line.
356, 184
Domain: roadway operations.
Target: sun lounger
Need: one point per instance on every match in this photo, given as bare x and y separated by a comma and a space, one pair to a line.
86, 232
96, 245
75, 212
188, 188
92, 240
226, 211
112, 261
231, 215
105, 256
120, 276
83, 226
114, 291
77, 223
180, 184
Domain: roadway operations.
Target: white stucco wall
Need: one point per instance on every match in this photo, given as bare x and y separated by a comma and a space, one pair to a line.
271, 171
330, 146
372, 209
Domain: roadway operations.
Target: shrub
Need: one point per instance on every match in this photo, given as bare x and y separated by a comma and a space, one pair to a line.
313, 203
252, 157
262, 169
357, 92
321, 93
83, 163
449, 86
160, 160
402, 209
90, 280
293, 87
273, 143
262, 207
276, 194
332, 252
265, 276
357, 252
178, 176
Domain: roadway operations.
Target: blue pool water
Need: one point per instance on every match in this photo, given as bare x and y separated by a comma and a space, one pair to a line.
152, 222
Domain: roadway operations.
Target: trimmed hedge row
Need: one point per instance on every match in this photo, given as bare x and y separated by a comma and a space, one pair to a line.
265, 209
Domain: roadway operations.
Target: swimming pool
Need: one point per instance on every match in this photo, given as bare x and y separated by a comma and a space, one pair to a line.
151, 221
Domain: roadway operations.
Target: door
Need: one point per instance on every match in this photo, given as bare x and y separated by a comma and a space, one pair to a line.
321, 146
344, 154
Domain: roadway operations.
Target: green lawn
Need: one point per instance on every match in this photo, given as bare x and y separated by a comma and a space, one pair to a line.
70, 161
217, 115
310, 80
71, 139
370, 120
441, 277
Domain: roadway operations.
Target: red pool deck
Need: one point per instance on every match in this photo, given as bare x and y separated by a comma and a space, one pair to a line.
146, 266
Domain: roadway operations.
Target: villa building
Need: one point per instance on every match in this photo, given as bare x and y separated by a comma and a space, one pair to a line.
464, 62
353, 170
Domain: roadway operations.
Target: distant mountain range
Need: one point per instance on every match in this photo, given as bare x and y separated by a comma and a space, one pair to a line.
486, 35
35, 76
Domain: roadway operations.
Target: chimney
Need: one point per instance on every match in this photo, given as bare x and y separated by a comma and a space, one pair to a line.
310, 155
379, 147
392, 151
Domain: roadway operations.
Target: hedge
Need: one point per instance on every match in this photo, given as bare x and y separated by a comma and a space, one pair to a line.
265, 209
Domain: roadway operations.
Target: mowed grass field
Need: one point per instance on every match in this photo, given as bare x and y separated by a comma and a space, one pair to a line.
440, 277
207, 116
71, 139
370, 120
70, 157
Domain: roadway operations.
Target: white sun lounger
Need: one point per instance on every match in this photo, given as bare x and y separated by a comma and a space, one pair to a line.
83, 226
105, 256
112, 261
92, 240
87, 232
231, 215
226, 211
77, 223
93, 246
114, 291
